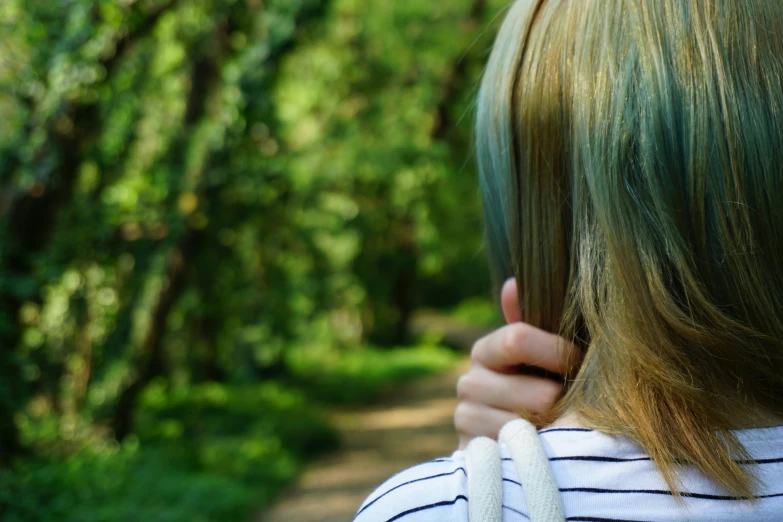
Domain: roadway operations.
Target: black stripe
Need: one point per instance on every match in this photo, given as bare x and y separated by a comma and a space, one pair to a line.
760, 461
703, 496
515, 511
512, 481
552, 430
376, 499
597, 519
436, 461
595, 458
547, 430
428, 506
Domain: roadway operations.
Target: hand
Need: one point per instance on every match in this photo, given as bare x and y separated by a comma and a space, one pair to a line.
493, 391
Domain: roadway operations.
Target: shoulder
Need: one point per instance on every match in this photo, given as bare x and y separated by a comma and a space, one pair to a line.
438, 491
433, 491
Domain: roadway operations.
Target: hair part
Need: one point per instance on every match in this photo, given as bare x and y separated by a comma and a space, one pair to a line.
630, 159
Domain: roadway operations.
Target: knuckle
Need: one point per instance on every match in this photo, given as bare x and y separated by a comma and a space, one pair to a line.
465, 386
477, 351
462, 416
515, 339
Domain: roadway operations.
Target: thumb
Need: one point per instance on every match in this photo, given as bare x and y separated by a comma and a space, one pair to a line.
509, 301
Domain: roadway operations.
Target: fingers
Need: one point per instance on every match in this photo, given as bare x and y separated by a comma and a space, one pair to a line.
519, 343
508, 392
509, 301
476, 420
493, 390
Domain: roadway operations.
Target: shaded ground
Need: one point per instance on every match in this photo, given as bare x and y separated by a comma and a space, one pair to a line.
413, 426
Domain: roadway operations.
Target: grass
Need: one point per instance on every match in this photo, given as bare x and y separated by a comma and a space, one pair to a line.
478, 312
210, 452
125, 485
365, 375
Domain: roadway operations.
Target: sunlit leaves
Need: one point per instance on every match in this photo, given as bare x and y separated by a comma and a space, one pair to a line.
236, 181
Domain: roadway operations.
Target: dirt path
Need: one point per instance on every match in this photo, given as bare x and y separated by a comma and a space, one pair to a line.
414, 426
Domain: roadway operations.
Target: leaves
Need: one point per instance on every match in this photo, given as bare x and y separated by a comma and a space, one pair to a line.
196, 191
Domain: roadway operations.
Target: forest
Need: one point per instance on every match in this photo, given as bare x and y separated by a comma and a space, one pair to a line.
217, 219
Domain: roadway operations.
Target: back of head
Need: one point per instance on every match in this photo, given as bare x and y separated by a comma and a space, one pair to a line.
631, 159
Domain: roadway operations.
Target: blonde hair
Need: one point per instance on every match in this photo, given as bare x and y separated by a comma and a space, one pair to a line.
631, 160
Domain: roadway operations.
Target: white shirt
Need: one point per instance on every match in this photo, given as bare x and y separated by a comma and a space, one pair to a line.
601, 478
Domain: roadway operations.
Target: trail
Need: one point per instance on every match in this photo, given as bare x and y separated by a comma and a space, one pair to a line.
413, 426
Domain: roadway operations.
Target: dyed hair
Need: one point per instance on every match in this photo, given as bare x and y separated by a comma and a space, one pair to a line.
631, 160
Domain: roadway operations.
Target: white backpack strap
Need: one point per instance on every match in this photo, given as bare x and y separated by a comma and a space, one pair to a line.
532, 465
485, 480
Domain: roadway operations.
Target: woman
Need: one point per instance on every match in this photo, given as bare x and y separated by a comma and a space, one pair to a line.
631, 165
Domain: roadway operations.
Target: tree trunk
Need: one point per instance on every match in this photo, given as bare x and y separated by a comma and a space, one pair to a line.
151, 351
404, 294
32, 219
456, 79
31, 222
150, 358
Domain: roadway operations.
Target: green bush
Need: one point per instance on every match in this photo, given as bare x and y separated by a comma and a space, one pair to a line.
126, 485
477, 311
211, 451
193, 191
364, 375
203, 453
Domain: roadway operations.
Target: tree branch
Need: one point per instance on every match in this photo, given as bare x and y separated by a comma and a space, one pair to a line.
456, 78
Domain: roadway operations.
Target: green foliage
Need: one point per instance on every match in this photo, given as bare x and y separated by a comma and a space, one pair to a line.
124, 485
477, 311
206, 452
208, 210
276, 418
364, 375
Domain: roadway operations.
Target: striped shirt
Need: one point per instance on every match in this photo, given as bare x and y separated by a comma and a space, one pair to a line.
601, 478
